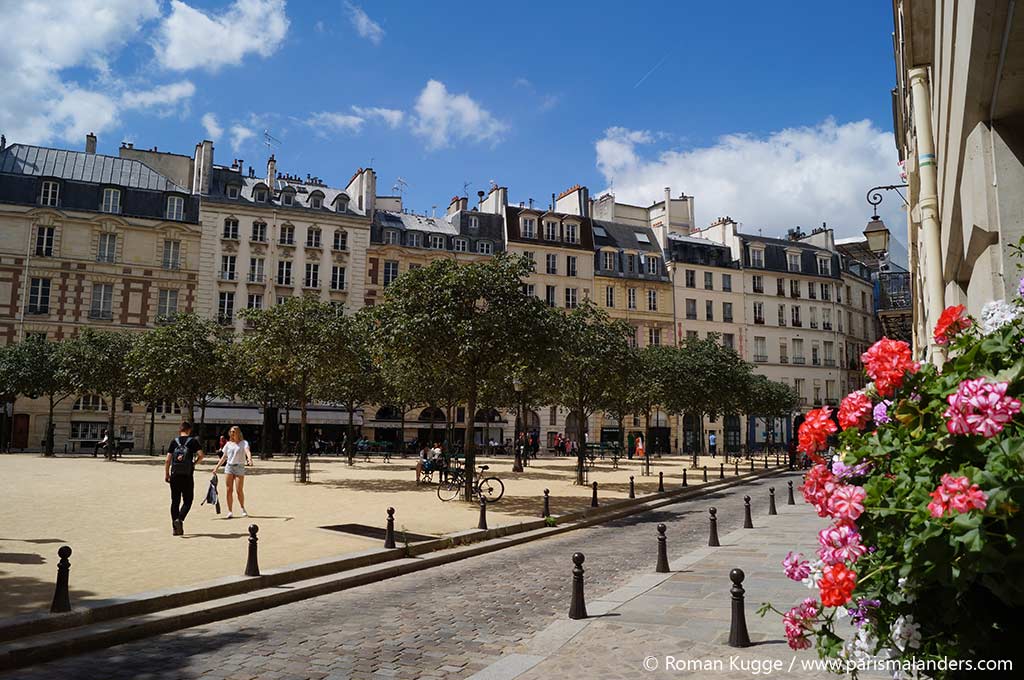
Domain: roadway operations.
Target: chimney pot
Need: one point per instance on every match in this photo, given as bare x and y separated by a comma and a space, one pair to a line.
90, 143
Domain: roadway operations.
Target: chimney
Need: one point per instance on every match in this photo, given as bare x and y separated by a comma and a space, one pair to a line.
531, 204
271, 172
480, 196
3, 142
90, 143
202, 168
574, 201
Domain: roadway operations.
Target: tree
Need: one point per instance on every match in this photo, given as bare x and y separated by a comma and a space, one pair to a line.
47, 370
462, 323
620, 393
98, 364
245, 379
15, 379
769, 399
590, 348
648, 388
292, 345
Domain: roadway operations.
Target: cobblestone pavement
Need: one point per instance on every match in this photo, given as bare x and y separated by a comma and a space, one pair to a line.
448, 622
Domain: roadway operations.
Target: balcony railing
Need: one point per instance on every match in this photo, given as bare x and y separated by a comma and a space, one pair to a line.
257, 278
814, 324
830, 362
225, 319
799, 360
102, 314
759, 320
228, 275
798, 323
893, 291
815, 361
783, 360
827, 325
761, 358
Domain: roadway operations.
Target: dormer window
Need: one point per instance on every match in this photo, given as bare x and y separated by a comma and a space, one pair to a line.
529, 227
175, 208
413, 239
794, 261
459, 245
287, 198
652, 265
825, 267
232, 191
342, 205
49, 193
437, 242
570, 233
551, 231
316, 200
608, 261
111, 201
757, 258
484, 247
474, 222
260, 195
390, 237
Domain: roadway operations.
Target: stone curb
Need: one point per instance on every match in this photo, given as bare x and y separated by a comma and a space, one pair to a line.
44, 637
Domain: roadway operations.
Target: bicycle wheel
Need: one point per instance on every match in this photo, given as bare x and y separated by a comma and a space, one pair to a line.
492, 489
449, 490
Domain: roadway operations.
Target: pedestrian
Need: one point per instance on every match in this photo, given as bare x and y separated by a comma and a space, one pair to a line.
535, 444
421, 463
183, 453
236, 455
712, 442
631, 443
640, 451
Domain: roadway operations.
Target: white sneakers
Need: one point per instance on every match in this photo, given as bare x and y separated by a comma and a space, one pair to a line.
231, 515
228, 516
244, 513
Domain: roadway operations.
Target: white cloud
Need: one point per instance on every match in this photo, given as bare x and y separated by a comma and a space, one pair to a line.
442, 117
392, 117
339, 122
189, 38
212, 127
162, 96
364, 25
39, 104
239, 135
797, 176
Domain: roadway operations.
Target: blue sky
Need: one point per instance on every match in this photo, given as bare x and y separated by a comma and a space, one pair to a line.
774, 113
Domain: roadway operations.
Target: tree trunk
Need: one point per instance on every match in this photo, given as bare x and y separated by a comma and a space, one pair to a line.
401, 432
265, 432
581, 451
622, 436
202, 420
287, 426
350, 431
111, 444
469, 447
152, 429
48, 447
648, 449
303, 455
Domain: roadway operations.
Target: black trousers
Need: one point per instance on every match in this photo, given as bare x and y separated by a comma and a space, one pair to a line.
182, 494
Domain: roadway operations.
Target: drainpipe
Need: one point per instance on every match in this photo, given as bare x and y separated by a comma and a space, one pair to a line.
928, 203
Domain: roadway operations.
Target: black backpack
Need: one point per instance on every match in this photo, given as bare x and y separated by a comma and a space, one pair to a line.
182, 460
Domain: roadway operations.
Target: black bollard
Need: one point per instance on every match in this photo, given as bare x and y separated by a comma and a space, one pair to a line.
662, 567
713, 528
547, 504
684, 477
776, 459
252, 566
389, 533
577, 608
705, 473
771, 501
748, 523
482, 524
751, 464
661, 482
766, 461
736, 467
790, 500
593, 500
61, 594
721, 470
738, 636
632, 491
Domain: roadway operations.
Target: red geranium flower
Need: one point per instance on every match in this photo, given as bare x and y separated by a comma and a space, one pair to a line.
837, 584
855, 411
814, 431
887, 362
818, 487
951, 322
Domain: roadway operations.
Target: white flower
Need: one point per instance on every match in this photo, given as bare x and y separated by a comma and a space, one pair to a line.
905, 586
995, 315
861, 647
816, 567
905, 633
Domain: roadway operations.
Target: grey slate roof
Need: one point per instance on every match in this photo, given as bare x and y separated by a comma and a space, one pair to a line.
22, 159
222, 177
624, 236
411, 222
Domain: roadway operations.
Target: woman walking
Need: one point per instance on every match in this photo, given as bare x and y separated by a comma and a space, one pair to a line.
235, 456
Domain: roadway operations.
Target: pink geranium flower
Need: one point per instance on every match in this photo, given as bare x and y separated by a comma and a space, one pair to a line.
847, 502
854, 411
980, 407
840, 543
956, 494
795, 566
797, 622
819, 483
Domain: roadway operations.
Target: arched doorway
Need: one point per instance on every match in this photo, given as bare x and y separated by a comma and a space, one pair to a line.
432, 425
732, 434
487, 427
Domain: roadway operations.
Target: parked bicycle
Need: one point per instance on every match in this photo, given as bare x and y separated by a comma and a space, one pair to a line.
489, 488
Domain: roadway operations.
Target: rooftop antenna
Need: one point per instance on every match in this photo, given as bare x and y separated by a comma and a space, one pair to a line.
465, 188
400, 186
269, 140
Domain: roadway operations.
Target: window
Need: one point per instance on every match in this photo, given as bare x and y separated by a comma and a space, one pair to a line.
783, 352
795, 315
727, 283
549, 295
551, 231
863, 300
691, 308
709, 281
552, 263
107, 250
528, 289
87, 430
437, 242
312, 279
232, 191
172, 254
609, 296
709, 310
412, 239
111, 201
758, 282
815, 358
231, 229
652, 300
287, 236
390, 237
812, 290
313, 237
260, 195
794, 289
641, 237
654, 336
760, 349
337, 278
630, 262
281, 299
49, 194
226, 307
652, 265
571, 299
570, 233
798, 351
570, 265
460, 245
826, 291
782, 315
759, 312
284, 273
826, 318
39, 296
608, 261
44, 241
255, 301
256, 269
90, 402
830, 353
227, 267
484, 247
757, 258
342, 203
793, 259
259, 232
474, 222
814, 317
102, 301
691, 278
691, 335
390, 271
825, 267
340, 240
167, 303
780, 286
529, 227
727, 312
175, 208
553, 415
528, 254
316, 201
631, 298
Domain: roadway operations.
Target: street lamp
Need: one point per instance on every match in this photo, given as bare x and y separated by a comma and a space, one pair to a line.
876, 233
517, 385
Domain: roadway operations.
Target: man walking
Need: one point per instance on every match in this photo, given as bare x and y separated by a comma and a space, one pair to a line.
183, 453
712, 441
